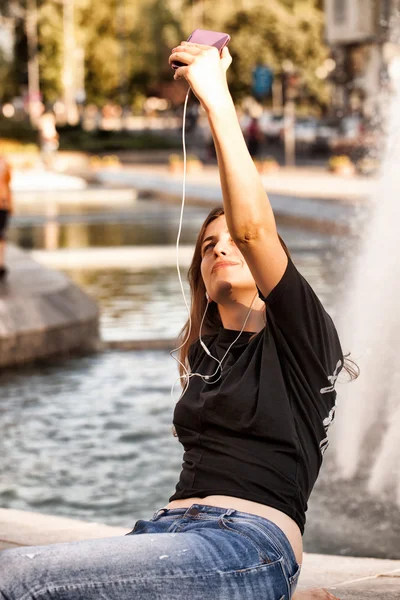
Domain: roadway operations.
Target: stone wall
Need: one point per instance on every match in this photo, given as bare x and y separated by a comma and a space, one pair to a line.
42, 313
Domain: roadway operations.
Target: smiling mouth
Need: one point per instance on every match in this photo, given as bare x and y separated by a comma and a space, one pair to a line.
224, 265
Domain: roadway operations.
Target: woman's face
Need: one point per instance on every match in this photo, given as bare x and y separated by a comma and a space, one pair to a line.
223, 280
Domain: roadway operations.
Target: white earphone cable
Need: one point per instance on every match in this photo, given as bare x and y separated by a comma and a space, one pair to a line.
188, 375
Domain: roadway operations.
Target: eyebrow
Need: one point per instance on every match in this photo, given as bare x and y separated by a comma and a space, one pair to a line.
210, 237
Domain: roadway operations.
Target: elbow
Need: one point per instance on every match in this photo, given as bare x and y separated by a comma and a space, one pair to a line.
249, 234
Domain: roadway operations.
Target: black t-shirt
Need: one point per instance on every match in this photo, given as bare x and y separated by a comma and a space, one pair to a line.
260, 432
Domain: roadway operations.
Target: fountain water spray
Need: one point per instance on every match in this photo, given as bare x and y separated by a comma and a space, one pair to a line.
367, 432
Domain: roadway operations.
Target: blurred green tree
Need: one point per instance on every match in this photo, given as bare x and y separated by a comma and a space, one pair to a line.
50, 39
275, 32
127, 46
126, 43
7, 85
13, 70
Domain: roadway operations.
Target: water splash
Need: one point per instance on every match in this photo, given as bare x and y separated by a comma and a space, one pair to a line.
368, 420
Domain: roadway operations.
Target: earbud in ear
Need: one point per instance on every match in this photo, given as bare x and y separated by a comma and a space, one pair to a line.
207, 296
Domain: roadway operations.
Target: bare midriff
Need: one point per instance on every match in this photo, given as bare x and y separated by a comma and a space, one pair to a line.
282, 520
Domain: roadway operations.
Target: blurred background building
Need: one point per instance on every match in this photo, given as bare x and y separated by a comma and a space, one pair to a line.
358, 32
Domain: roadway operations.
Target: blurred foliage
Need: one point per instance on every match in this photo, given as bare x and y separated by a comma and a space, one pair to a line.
126, 43
17, 130
11, 146
50, 30
6, 77
339, 161
272, 33
20, 136
72, 138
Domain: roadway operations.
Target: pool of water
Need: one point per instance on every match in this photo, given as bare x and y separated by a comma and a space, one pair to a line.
90, 437
147, 222
133, 304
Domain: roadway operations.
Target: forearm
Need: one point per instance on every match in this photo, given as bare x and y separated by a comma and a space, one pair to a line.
246, 203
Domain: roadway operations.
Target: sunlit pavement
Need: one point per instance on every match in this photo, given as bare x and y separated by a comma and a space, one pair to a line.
309, 182
45, 181
304, 181
133, 257
314, 199
307, 196
51, 189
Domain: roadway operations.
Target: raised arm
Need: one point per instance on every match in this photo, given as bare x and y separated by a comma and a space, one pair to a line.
246, 202
248, 212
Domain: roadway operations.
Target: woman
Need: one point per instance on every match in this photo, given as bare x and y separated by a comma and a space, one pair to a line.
253, 435
5, 210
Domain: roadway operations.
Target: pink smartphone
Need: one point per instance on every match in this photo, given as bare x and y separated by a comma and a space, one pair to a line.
209, 38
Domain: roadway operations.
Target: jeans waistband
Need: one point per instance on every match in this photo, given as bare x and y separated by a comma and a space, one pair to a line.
274, 531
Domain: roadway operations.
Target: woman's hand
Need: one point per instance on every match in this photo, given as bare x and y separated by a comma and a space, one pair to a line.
205, 72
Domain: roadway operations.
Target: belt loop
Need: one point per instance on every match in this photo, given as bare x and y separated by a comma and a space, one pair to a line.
230, 512
159, 513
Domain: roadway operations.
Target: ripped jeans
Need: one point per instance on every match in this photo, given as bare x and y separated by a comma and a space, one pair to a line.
196, 553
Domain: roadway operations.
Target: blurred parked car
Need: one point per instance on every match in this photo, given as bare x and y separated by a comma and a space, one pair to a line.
350, 133
355, 138
271, 125
305, 131
327, 131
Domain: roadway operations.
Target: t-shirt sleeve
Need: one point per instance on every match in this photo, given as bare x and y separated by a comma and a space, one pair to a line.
305, 328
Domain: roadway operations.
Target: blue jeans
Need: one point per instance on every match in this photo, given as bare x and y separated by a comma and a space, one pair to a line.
195, 553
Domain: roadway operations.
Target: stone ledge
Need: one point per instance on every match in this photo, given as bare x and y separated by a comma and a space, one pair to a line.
135, 258
24, 528
42, 313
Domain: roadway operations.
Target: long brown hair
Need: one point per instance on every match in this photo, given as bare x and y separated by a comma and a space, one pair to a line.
212, 320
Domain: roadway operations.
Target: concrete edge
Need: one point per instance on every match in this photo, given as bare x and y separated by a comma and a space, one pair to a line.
42, 313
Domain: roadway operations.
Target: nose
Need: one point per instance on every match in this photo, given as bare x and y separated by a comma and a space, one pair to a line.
220, 247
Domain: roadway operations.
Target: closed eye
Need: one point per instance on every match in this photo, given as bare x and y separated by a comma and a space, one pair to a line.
208, 246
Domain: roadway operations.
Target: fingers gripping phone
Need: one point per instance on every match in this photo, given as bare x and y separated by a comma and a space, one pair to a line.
209, 38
